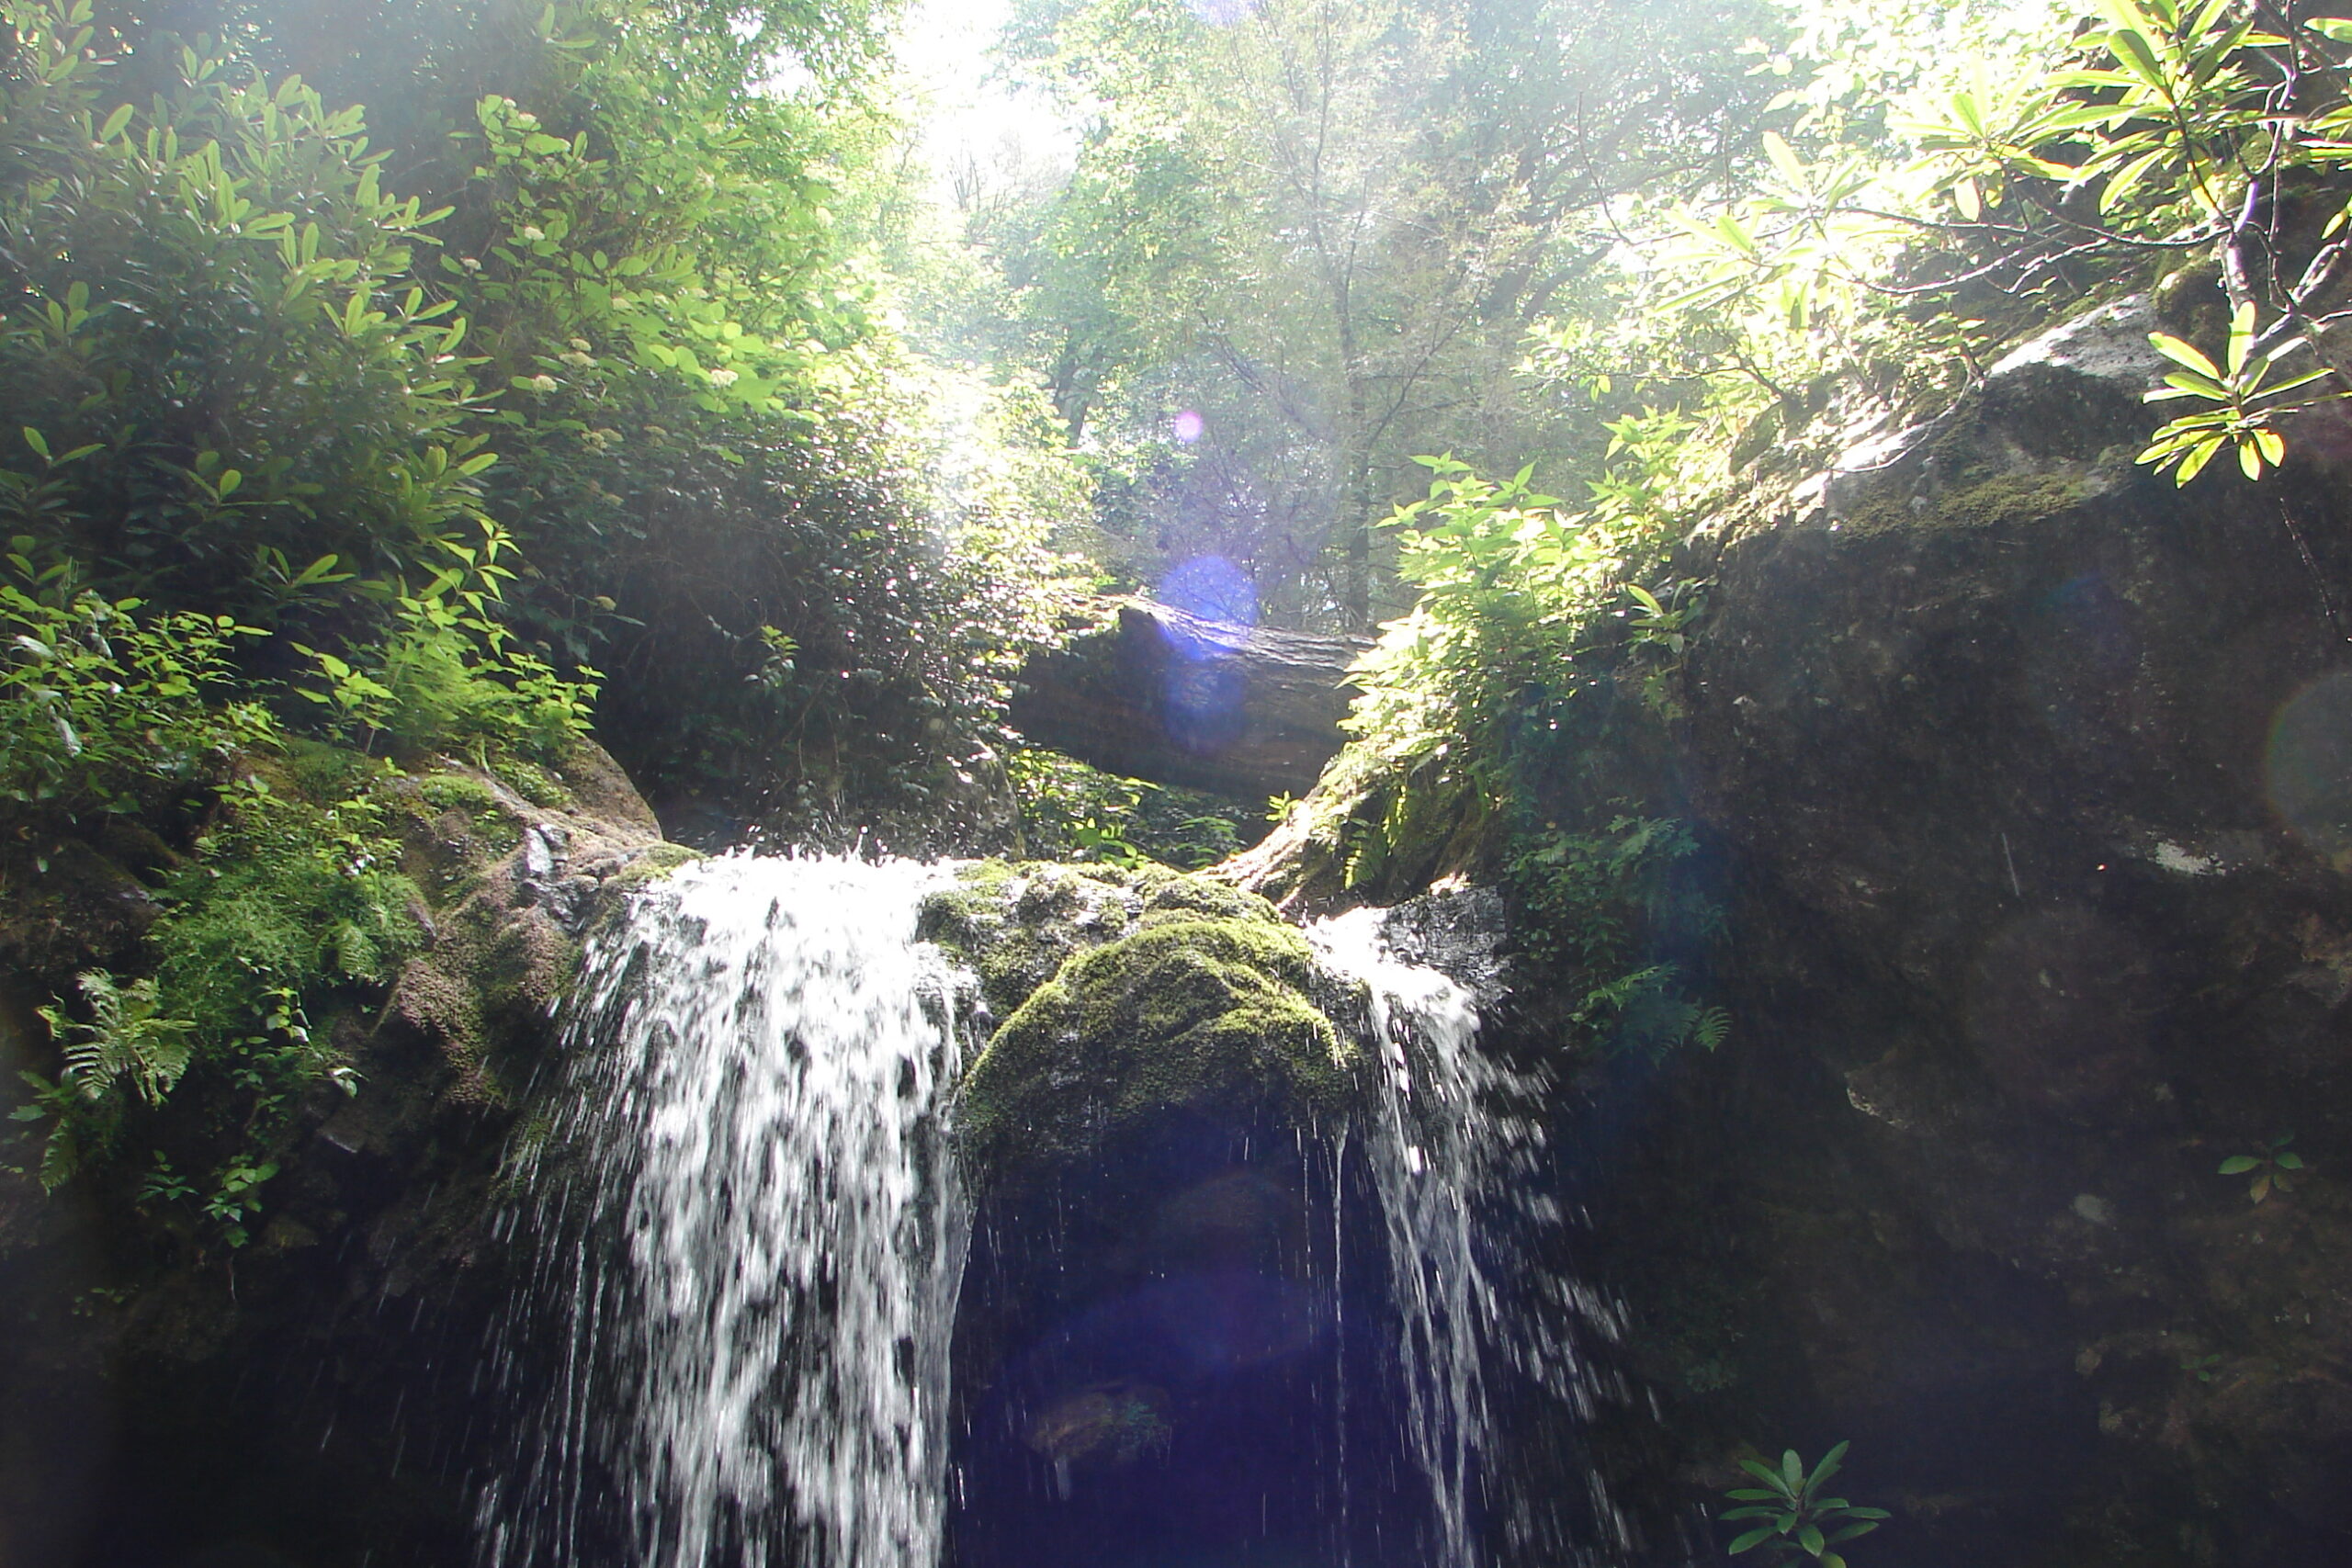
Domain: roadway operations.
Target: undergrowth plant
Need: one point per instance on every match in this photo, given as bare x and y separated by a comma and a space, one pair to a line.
1798, 1522
106, 709
1487, 702
2274, 1168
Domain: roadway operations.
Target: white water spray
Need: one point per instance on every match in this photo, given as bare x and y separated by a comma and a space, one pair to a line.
1452, 1141
750, 1231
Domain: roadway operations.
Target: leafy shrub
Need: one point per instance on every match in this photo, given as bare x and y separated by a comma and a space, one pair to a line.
102, 711
1799, 1522
287, 899
449, 676
1072, 811
209, 312
125, 1048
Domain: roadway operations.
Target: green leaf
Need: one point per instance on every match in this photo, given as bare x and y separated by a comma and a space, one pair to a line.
1753, 1539
36, 441
2183, 353
2132, 47
1809, 1537
2242, 322
2199, 455
1829, 1463
115, 123
2238, 1165
2290, 1161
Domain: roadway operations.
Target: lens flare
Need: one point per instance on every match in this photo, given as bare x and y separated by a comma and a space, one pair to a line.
2307, 767
1213, 589
1221, 13
1187, 427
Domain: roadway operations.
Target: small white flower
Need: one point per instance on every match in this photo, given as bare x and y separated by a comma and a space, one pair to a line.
723, 377
544, 383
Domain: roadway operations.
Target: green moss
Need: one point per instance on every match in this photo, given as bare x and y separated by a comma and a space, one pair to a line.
1190, 1012
1016, 925
653, 864
488, 979
456, 792
533, 783
2006, 497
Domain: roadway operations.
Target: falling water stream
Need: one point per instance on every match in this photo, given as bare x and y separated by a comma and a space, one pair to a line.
749, 1233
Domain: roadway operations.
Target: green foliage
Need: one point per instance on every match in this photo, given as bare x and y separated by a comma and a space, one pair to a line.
449, 675
126, 1048
1069, 810
1593, 896
2274, 1168
1531, 616
1799, 1523
287, 899
2248, 413
1326, 229
1994, 191
1515, 586
103, 712
235, 398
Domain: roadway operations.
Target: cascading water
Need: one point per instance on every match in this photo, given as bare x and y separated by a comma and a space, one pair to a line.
1452, 1142
749, 1236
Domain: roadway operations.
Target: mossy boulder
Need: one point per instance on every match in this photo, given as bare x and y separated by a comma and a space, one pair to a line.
1017, 923
1126, 995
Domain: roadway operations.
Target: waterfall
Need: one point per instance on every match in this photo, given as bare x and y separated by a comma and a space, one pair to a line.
745, 1238
1452, 1141
748, 1232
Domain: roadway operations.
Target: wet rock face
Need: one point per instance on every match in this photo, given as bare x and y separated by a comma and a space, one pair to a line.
1118, 999
308, 1398
2037, 776
1147, 1328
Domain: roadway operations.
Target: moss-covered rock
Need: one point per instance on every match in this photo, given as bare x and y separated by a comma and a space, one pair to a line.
1182, 1014
1125, 994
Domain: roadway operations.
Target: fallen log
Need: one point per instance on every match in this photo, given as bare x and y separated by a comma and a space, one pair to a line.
1157, 693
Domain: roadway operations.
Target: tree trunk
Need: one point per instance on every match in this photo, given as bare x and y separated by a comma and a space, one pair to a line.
1155, 692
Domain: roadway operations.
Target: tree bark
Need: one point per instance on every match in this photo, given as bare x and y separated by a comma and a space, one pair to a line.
1155, 692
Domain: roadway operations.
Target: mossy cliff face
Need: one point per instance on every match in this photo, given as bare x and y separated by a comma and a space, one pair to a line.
2028, 771
294, 1399
2021, 778
1130, 996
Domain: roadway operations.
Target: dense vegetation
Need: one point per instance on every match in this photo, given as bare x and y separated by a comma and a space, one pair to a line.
333, 449
470, 377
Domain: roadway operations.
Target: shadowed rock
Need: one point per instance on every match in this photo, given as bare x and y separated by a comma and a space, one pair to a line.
1156, 693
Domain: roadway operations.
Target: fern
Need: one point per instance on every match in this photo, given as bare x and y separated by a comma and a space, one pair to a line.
123, 1043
